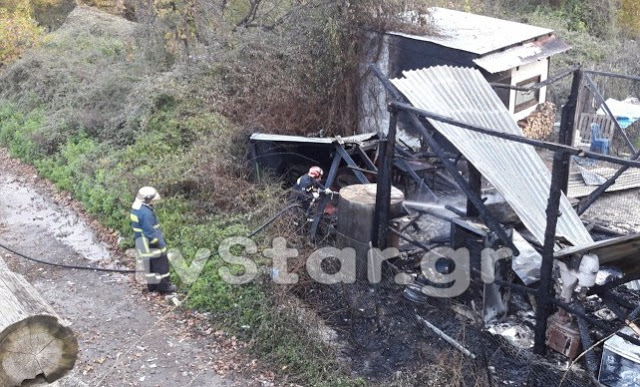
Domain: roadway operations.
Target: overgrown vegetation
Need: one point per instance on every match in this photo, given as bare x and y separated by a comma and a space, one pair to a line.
164, 94
116, 112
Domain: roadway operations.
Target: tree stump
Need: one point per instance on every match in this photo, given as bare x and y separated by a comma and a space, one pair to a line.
34, 341
355, 220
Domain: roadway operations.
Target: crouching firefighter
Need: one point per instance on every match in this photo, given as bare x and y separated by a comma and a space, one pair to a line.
308, 188
149, 241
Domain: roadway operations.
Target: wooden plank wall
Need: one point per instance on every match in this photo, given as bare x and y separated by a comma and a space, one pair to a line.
607, 127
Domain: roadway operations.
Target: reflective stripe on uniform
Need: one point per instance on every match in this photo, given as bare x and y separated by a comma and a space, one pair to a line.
142, 248
155, 278
134, 218
151, 255
154, 240
145, 243
156, 226
137, 229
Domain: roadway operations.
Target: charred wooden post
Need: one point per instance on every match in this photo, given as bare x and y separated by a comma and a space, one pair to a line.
34, 341
559, 182
545, 290
383, 191
567, 122
475, 183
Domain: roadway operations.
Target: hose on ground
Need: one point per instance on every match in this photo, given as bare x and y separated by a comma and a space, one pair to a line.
127, 271
273, 219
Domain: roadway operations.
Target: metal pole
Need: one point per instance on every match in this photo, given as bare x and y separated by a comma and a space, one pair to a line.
539, 85
424, 189
545, 290
383, 191
567, 122
613, 75
345, 156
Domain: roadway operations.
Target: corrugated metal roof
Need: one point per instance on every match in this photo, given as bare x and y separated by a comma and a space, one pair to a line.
515, 169
475, 33
521, 55
357, 139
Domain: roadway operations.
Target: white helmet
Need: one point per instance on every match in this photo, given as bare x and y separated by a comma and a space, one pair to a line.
315, 172
146, 195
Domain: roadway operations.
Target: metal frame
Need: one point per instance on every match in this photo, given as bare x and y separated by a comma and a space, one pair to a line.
562, 152
476, 200
594, 89
340, 154
593, 196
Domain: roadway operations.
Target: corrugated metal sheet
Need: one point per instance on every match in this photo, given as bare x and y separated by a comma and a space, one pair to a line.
515, 169
475, 33
521, 55
579, 188
357, 139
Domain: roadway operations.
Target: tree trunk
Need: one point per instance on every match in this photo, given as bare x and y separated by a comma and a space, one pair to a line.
34, 341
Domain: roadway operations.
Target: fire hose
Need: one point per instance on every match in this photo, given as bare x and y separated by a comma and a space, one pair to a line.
287, 208
273, 219
128, 271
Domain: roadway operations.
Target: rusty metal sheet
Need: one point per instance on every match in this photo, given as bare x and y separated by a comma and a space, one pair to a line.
514, 169
526, 53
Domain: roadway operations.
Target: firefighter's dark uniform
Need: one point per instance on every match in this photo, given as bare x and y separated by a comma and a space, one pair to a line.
303, 190
151, 247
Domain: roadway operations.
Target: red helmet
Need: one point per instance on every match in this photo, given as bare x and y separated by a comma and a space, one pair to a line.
315, 172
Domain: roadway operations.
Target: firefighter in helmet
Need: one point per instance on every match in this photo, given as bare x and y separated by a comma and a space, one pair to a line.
149, 241
308, 187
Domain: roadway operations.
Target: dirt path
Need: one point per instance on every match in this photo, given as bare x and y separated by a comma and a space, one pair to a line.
127, 337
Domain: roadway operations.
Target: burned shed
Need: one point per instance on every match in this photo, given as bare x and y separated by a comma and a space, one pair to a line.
505, 260
505, 52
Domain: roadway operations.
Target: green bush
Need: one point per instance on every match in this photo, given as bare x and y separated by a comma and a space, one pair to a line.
17, 131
